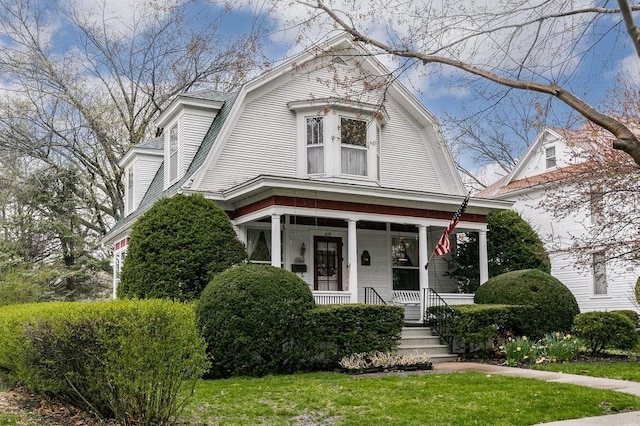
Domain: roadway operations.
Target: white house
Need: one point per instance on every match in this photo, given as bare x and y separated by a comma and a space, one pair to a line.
323, 168
557, 163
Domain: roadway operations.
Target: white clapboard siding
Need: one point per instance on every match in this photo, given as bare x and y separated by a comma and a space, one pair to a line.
573, 273
145, 168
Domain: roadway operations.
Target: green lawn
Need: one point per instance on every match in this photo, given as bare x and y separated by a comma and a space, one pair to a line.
434, 399
628, 370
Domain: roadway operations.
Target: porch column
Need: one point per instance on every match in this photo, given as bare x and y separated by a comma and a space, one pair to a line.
276, 250
484, 258
352, 266
423, 274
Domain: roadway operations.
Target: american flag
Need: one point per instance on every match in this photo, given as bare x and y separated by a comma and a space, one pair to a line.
444, 246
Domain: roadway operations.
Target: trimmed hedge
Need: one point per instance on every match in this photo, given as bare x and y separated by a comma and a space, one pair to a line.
474, 327
343, 330
176, 247
253, 318
632, 315
605, 330
554, 304
132, 361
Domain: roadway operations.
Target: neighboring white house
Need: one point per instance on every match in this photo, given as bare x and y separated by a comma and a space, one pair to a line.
556, 161
323, 170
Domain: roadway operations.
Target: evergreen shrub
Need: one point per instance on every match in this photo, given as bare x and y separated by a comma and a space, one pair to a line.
605, 330
553, 303
473, 327
176, 247
343, 330
512, 245
132, 361
632, 315
254, 319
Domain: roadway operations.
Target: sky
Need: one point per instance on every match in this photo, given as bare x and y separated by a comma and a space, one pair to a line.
591, 66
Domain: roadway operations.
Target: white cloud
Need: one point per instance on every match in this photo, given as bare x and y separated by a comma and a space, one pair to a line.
630, 68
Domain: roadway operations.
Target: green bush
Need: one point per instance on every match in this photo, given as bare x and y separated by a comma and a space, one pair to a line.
473, 327
344, 330
553, 303
133, 361
632, 315
512, 245
176, 247
253, 318
605, 330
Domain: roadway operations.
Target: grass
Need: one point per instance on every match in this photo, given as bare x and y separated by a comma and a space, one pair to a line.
435, 399
627, 370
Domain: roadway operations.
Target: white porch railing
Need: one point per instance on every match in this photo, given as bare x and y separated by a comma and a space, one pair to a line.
457, 298
332, 297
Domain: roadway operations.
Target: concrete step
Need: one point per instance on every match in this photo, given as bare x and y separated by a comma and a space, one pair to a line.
430, 350
422, 341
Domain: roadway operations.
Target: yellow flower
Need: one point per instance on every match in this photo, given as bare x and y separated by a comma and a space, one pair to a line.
524, 338
557, 334
518, 348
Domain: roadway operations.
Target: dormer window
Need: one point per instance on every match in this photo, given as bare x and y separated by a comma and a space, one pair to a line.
339, 139
173, 153
550, 155
315, 145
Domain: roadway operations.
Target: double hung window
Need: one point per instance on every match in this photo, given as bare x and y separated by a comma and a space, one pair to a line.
173, 153
353, 146
315, 145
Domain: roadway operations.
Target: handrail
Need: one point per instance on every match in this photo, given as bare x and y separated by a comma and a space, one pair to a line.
371, 297
438, 315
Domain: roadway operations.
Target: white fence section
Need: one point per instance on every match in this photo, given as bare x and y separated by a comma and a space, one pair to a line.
457, 298
332, 297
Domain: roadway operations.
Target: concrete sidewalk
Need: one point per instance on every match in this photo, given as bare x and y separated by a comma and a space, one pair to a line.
622, 419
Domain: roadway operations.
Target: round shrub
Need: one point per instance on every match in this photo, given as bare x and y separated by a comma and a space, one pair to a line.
553, 303
176, 247
632, 315
253, 318
605, 330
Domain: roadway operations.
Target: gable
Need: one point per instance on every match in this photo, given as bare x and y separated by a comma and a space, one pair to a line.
264, 135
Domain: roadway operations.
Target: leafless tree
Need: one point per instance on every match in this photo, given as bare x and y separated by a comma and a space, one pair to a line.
80, 86
83, 85
534, 46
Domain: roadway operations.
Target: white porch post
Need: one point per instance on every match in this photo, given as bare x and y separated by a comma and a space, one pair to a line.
423, 274
276, 250
484, 258
352, 254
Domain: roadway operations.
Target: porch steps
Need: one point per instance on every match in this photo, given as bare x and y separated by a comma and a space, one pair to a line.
421, 340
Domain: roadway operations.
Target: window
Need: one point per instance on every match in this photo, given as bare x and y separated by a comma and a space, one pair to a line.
129, 188
550, 154
599, 274
353, 143
259, 245
315, 145
405, 263
173, 153
378, 151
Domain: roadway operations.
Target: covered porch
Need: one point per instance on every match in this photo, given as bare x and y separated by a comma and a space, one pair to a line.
350, 251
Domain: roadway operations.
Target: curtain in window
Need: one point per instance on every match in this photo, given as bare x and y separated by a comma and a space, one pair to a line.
259, 241
315, 159
354, 161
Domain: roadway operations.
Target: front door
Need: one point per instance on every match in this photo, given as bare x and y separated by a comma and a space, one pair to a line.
327, 263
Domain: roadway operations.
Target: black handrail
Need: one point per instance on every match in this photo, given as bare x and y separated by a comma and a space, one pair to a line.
371, 297
438, 316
